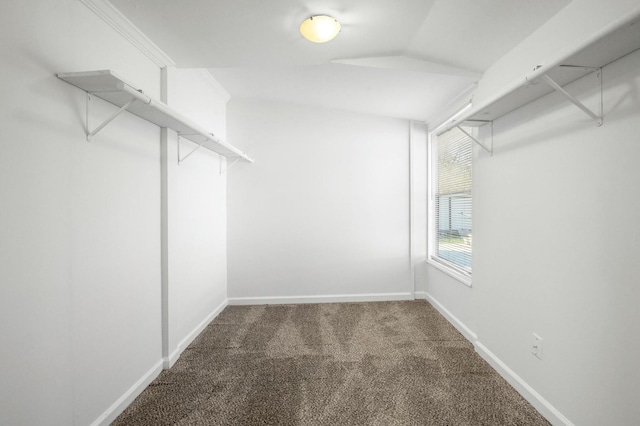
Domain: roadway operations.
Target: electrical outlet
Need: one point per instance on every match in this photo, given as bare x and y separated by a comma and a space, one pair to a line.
537, 346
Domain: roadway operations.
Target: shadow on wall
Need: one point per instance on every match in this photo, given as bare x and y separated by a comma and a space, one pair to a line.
625, 104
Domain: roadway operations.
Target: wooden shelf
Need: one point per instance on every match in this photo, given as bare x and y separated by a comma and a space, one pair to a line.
108, 86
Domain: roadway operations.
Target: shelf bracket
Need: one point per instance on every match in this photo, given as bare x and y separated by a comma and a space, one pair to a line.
483, 146
93, 132
597, 118
200, 145
180, 160
228, 167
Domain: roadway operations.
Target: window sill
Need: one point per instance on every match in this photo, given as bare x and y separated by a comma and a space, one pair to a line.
466, 280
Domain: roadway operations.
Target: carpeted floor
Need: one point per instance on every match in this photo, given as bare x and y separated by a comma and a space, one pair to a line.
386, 363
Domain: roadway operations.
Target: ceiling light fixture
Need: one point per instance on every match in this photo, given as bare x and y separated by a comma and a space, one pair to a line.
320, 28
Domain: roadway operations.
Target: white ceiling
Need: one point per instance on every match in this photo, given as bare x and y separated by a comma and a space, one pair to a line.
400, 58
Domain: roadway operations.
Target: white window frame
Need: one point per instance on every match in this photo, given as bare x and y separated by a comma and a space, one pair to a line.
448, 268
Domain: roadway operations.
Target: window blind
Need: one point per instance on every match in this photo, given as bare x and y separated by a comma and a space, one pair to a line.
453, 151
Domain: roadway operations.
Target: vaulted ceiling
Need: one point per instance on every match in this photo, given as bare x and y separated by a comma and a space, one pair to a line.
400, 58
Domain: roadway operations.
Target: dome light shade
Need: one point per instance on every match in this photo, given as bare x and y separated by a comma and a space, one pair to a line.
320, 28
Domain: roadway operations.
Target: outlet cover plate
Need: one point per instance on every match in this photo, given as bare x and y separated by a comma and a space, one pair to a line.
536, 348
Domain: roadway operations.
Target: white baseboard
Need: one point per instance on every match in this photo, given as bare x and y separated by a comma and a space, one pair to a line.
539, 403
459, 325
175, 354
335, 298
127, 398
534, 398
420, 295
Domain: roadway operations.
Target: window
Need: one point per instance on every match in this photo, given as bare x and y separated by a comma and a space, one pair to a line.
450, 214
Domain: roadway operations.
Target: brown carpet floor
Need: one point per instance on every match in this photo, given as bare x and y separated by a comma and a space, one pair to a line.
386, 363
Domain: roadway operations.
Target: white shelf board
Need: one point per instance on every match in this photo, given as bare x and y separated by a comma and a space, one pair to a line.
526, 93
604, 49
106, 85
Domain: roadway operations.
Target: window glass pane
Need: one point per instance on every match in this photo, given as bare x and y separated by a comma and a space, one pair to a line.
453, 200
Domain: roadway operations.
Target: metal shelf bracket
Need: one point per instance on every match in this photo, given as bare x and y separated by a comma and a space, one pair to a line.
482, 145
92, 133
222, 171
180, 160
200, 145
596, 117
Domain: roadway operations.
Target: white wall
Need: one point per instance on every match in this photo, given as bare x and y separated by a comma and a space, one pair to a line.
195, 211
325, 208
80, 223
578, 22
546, 256
549, 257
419, 203
79, 240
